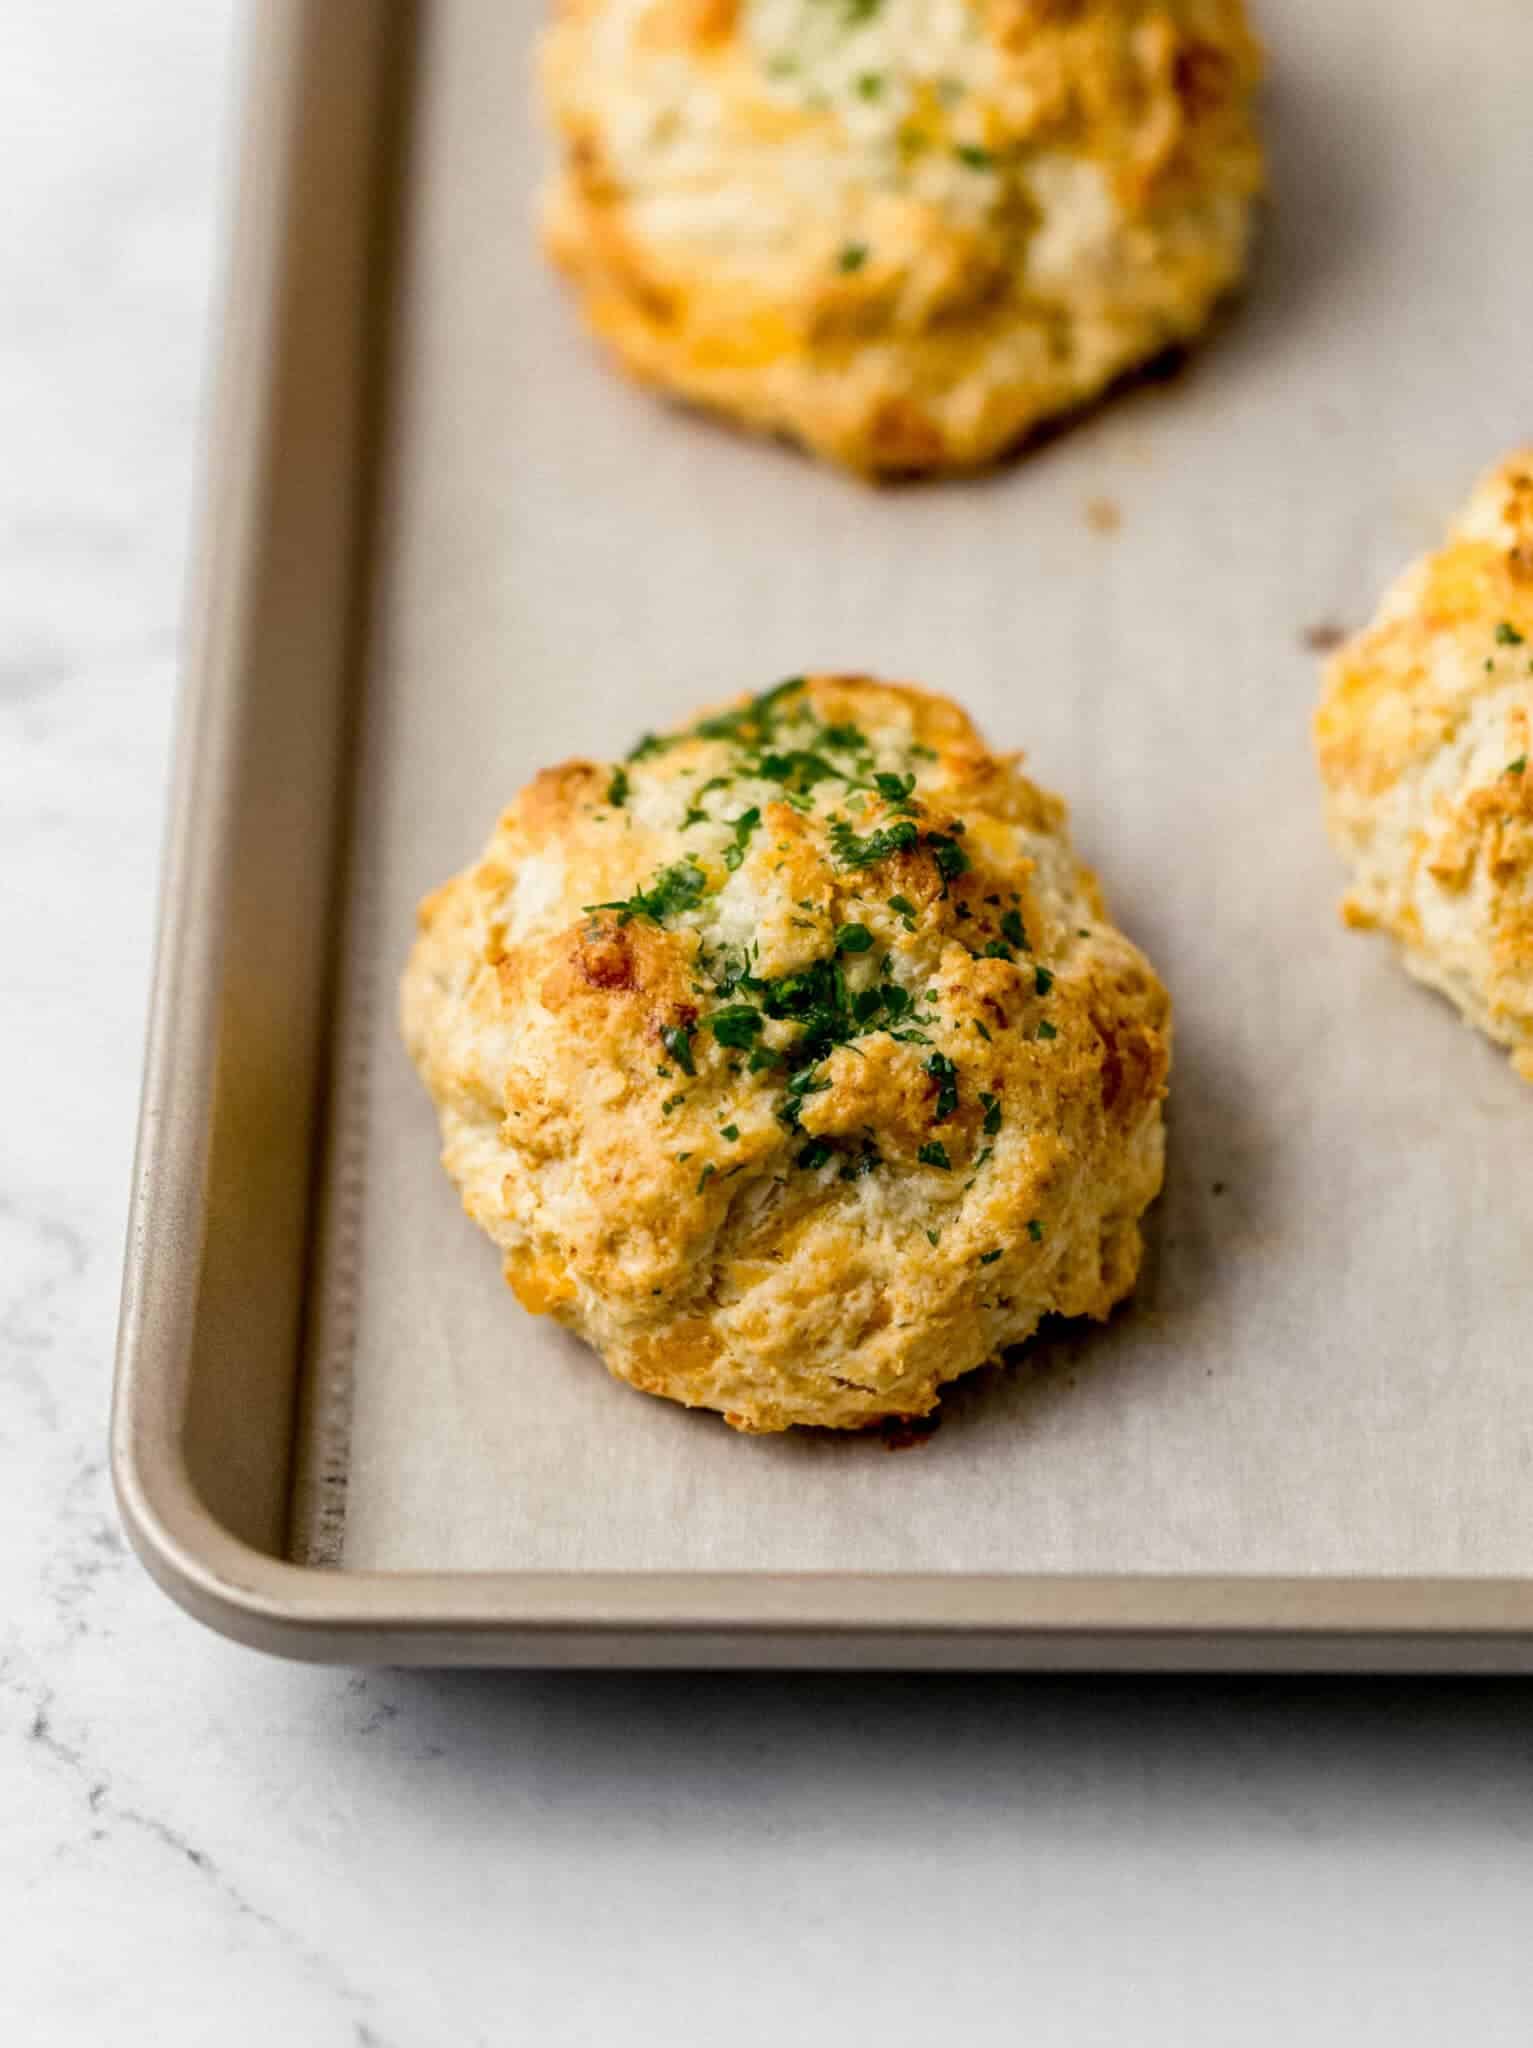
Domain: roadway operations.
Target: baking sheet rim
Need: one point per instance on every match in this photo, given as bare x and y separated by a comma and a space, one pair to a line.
557, 1617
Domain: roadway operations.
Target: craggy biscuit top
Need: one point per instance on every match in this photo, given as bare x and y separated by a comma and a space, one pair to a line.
793, 1060
904, 230
1425, 736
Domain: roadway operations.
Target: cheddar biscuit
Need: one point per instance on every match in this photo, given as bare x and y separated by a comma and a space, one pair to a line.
794, 1061
902, 232
1425, 741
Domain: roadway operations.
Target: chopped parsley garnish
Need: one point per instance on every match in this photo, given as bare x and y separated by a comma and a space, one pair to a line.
934, 1237
1043, 981
752, 723
867, 1161
983, 1030
1046, 1030
1507, 635
815, 1153
852, 257
853, 852
737, 1025
945, 1074
696, 815
731, 1132
1013, 929
844, 739
950, 857
745, 825
988, 1258
935, 1154
677, 1040
1517, 767
674, 889
651, 743
894, 789
853, 938
975, 157
992, 1108
617, 788
805, 1082
673, 1102
798, 770
1035, 1231
869, 85
905, 910
705, 1176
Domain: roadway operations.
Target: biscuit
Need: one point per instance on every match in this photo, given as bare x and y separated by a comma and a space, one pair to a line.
903, 232
794, 1061
1425, 742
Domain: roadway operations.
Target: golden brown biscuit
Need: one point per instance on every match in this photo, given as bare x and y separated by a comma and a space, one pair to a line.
794, 1062
904, 232
1425, 734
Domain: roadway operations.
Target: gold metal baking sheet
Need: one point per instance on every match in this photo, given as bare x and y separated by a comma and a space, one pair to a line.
444, 544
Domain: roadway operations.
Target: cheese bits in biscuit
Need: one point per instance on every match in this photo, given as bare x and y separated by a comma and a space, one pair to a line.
1425, 740
794, 1061
902, 232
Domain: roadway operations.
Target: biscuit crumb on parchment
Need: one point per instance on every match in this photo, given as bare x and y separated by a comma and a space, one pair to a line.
793, 1060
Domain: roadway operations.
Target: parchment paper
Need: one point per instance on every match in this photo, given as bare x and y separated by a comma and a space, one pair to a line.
1328, 1366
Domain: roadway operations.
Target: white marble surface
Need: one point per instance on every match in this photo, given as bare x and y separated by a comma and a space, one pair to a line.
199, 1847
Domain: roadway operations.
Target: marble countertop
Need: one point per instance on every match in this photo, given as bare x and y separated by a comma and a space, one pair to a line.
198, 1846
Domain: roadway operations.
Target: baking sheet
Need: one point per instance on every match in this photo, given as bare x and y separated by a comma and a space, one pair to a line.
1328, 1366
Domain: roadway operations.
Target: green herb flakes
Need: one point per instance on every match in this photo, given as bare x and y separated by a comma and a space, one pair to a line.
674, 890
737, 1025
854, 852
617, 788
945, 1074
852, 258
988, 1258
935, 1154
1507, 635
1043, 981
745, 825
894, 789
949, 856
677, 1040
1035, 1231
1046, 1030
853, 938
992, 1108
